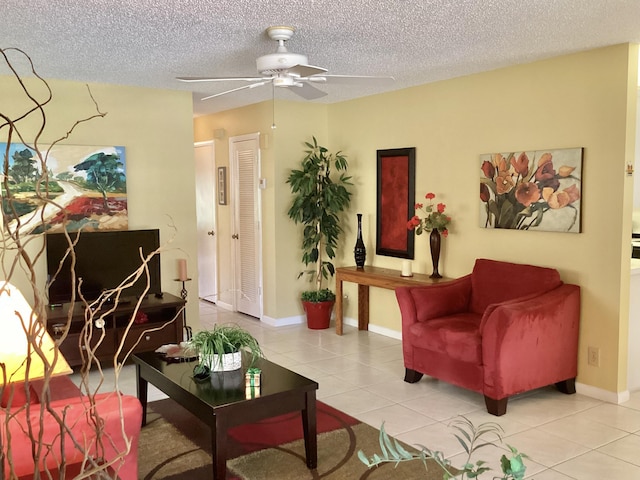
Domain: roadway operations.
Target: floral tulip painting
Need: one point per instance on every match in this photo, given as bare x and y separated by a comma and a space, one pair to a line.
538, 190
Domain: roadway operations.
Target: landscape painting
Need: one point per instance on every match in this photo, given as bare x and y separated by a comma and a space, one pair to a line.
87, 188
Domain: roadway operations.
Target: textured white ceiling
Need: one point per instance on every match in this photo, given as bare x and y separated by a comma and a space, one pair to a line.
150, 42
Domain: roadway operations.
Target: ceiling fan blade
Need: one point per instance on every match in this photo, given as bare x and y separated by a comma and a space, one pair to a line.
306, 70
253, 85
358, 79
219, 79
308, 92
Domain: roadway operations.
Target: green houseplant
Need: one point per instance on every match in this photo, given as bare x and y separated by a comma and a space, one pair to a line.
471, 437
318, 202
221, 349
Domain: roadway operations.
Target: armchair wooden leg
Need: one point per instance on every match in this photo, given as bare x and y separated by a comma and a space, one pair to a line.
496, 407
567, 386
411, 376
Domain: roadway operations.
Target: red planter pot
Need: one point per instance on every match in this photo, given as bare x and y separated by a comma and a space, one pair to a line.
318, 314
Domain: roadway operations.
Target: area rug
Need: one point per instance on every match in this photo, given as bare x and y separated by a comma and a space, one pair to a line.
176, 445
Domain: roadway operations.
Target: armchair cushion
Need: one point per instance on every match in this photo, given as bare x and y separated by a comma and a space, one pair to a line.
457, 336
439, 300
494, 282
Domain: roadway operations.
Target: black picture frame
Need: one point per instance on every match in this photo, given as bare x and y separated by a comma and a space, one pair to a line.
396, 189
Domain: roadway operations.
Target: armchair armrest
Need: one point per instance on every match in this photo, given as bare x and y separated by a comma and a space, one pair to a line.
418, 304
121, 417
532, 342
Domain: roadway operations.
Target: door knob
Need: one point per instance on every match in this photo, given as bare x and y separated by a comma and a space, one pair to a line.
235, 236
211, 233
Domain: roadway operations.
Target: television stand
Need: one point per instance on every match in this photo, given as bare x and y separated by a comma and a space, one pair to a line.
157, 311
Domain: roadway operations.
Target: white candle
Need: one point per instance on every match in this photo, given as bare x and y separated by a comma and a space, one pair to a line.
182, 269
406, 268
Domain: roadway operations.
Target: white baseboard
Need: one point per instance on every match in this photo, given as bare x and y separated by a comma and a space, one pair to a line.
283, 322
226, 306
387, 332
600, 394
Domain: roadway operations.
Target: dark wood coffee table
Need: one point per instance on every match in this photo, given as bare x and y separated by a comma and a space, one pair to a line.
223, 403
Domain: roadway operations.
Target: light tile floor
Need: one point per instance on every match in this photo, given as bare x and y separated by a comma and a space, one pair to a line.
361, 373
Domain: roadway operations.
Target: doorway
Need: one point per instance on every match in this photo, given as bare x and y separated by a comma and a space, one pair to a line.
244, 159
206, 220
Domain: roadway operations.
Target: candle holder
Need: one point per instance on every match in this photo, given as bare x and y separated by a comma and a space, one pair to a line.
188, 333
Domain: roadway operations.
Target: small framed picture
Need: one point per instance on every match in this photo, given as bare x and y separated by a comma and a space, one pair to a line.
222, 185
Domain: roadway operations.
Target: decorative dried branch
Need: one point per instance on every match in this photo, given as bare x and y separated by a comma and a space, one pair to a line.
19, 254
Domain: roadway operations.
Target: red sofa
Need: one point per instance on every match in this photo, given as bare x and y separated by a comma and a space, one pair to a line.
66, 399
505, 328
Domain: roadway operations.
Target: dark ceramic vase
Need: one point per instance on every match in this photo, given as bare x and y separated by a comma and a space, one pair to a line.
434, 244
360, 251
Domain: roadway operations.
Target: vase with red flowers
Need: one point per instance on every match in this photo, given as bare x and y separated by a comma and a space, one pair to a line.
434, 220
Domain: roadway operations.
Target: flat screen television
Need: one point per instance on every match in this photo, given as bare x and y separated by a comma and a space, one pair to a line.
103, 261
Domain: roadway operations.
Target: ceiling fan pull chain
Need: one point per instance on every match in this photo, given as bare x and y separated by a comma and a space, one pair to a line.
273, 106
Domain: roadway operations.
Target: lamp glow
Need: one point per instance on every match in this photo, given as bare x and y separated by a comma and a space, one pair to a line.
27, 351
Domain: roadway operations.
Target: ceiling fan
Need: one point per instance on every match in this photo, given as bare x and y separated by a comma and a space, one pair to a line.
287, 69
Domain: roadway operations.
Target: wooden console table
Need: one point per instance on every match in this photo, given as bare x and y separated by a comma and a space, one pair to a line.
373, 277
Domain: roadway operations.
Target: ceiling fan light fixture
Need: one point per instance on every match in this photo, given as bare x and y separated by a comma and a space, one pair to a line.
283, 81
279, 62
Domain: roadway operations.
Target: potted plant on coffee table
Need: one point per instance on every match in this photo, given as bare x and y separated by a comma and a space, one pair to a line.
220, 349
318, 202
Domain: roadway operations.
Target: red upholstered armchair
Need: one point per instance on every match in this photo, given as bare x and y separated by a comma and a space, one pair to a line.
503, 329
120, 417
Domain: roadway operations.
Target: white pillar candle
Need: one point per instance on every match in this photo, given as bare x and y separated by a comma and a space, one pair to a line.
406, 268
182, 269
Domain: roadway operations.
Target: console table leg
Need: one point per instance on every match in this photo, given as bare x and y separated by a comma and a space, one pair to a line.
363, 307
339, 312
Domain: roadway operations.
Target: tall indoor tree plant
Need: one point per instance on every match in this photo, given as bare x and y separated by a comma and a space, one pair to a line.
318, 202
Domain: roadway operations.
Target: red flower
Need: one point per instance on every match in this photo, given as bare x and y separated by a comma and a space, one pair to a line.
484, 193
561, 199
521, 165
445, 233
413, 222
434, 219
545, 169
488, 169
504, 183
527, 193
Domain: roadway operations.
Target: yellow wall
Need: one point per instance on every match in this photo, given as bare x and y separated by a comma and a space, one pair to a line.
156, 129
582, 100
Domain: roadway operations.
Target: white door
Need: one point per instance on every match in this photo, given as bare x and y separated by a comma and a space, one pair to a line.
206, 220
245, 171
